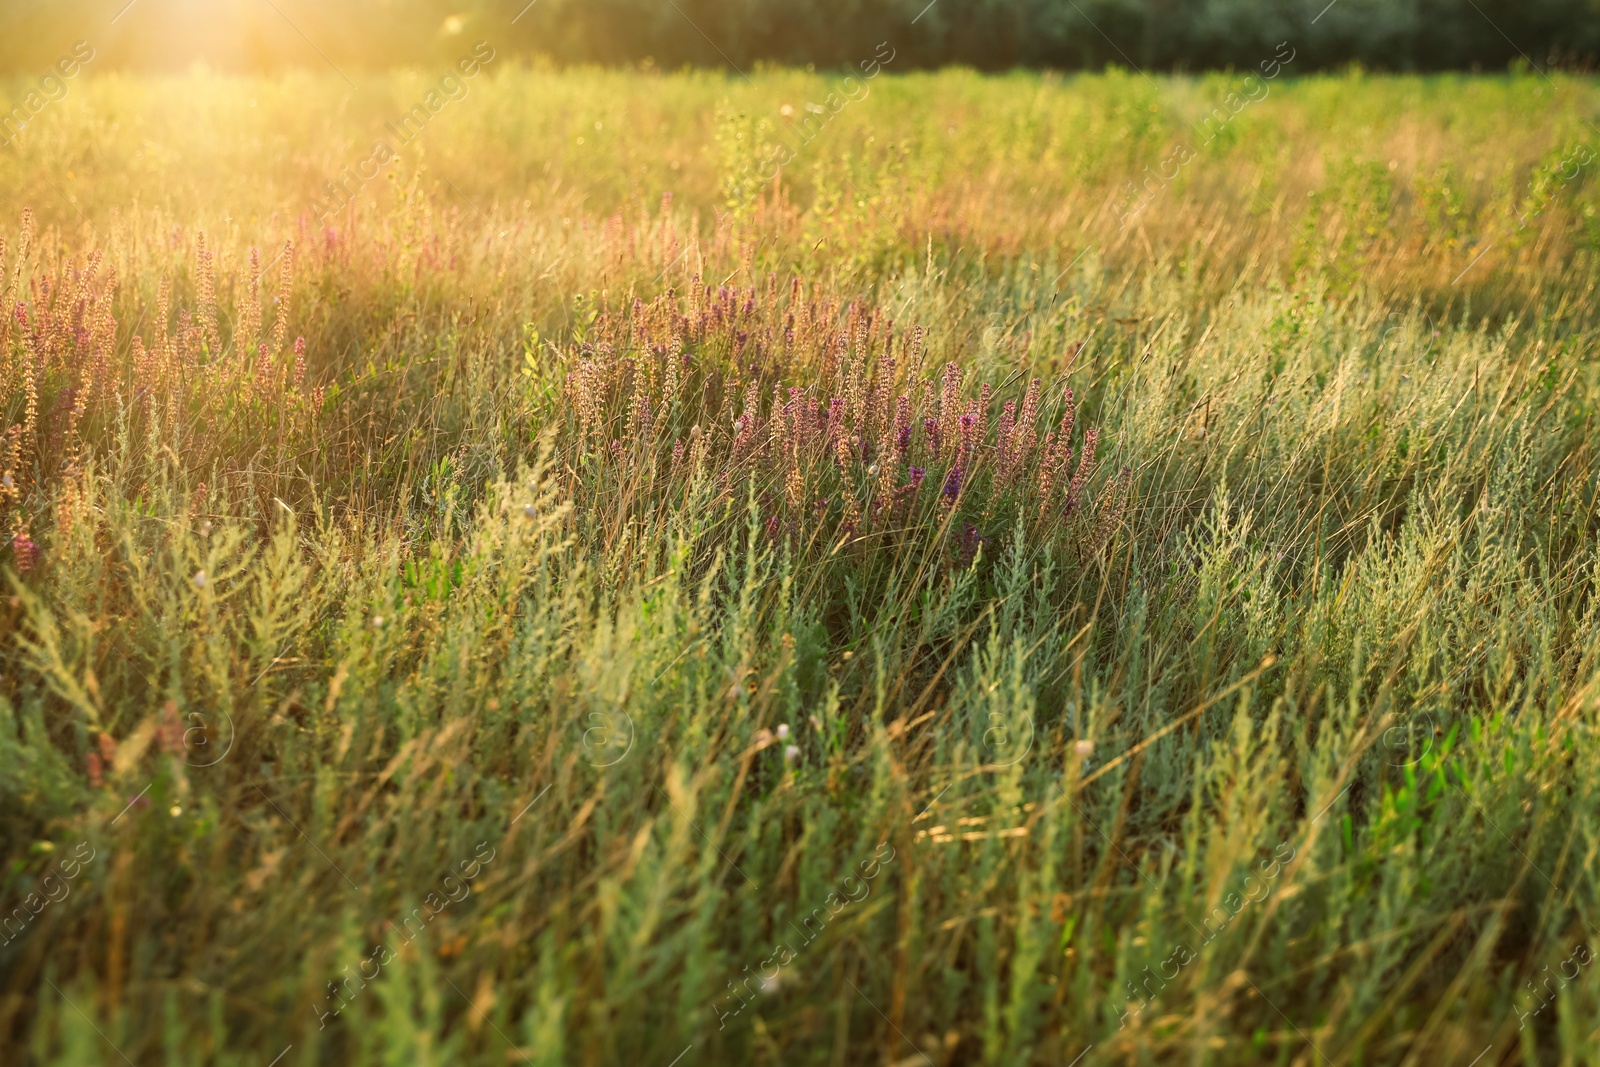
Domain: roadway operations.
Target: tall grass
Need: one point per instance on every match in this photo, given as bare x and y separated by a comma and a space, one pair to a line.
904, 614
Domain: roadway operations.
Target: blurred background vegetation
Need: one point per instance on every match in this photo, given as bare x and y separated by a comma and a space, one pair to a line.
258, 36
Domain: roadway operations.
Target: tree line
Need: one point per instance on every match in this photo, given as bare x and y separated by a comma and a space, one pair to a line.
1149, 35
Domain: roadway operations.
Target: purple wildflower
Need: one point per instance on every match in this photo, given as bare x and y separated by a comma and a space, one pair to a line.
952, 485
26, 551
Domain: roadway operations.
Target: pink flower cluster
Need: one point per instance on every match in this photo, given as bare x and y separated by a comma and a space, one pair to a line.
828, 417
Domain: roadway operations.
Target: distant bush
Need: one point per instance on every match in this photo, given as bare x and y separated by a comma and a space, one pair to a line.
1085, 34
1405, 35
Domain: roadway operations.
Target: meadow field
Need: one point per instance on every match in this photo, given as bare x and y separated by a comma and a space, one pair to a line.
678, 569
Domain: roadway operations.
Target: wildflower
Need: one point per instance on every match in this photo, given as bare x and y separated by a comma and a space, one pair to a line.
783, 731
952, 485
917, 474
377, 622
1083, 748
791, 753
26, 551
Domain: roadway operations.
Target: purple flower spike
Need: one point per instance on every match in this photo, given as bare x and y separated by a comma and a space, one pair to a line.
26, 552
952, 484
